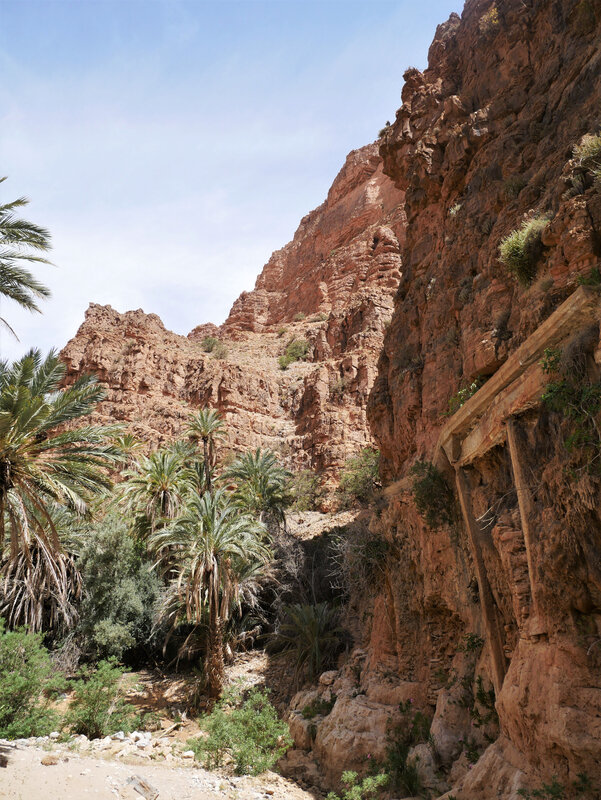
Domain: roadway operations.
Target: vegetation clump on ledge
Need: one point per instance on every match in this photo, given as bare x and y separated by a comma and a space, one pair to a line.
296, 350
432, 495
521, 250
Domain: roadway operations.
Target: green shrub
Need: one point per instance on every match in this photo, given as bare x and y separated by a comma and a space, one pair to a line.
281, 331
572, 394
121, 592
209, 343
306, 490
412, 729
220, 351
592, 279
432, 495
300, 316
312, 634
521, 250
359, 478
359, 790
513, 186
296, 350
246, 731
98, 707
27, 684
321, 317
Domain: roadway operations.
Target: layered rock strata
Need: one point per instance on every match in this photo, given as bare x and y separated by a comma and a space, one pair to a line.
331, 287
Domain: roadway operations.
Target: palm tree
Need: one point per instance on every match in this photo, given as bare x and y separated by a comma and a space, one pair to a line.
313, 634
18, 239
155, 489
206, 426
47, 467
262, 485
215, 547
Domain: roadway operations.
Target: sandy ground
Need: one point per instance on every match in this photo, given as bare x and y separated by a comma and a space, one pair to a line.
23, 776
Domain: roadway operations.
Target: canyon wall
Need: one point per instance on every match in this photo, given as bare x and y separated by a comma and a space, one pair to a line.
332, 287
489, 618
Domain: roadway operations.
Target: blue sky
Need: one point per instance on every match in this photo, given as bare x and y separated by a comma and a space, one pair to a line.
171, 145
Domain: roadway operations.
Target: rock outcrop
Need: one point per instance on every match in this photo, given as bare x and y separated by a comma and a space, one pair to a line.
332, 287
490, 617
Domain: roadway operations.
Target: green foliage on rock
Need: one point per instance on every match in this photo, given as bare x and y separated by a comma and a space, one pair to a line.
296, 350
521, 250
246, 731
27, 684
306, 491
432, 495
359, 478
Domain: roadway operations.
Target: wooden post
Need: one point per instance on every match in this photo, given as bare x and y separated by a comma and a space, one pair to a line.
524, 504
489, 610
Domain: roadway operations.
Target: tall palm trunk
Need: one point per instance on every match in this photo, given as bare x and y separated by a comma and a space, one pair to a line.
205, 447
215, 662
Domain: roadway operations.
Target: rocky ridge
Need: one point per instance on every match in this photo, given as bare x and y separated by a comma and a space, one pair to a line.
331, 286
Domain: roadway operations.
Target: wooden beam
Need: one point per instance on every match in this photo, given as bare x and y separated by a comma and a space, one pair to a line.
490, 613
580, 309
524, 503
524, 393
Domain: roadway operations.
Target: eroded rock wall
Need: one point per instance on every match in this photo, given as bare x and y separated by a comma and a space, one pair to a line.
483, 140
333, 286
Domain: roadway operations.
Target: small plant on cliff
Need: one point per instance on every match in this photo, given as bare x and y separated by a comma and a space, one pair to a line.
463, 395
299, 316
575, 396
209, 343
489, 22
592, 279
588, 153
521, 250
319, 707
220, 351
413, 728
296, 350
354, 789
359, 478
432, 495
247, 731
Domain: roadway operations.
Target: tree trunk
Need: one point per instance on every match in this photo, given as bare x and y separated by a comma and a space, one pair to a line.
205, 446
215, 664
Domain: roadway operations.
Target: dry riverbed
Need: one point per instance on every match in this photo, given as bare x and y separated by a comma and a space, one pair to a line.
48, 770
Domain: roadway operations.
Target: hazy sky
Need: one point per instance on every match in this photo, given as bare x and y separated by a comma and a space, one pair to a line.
171, 145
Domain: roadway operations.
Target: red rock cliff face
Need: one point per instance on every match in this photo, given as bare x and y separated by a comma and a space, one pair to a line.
332, 285
510, 593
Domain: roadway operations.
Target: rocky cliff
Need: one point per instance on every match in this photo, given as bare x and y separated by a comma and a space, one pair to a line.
486, 613
331, 287
489, 616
